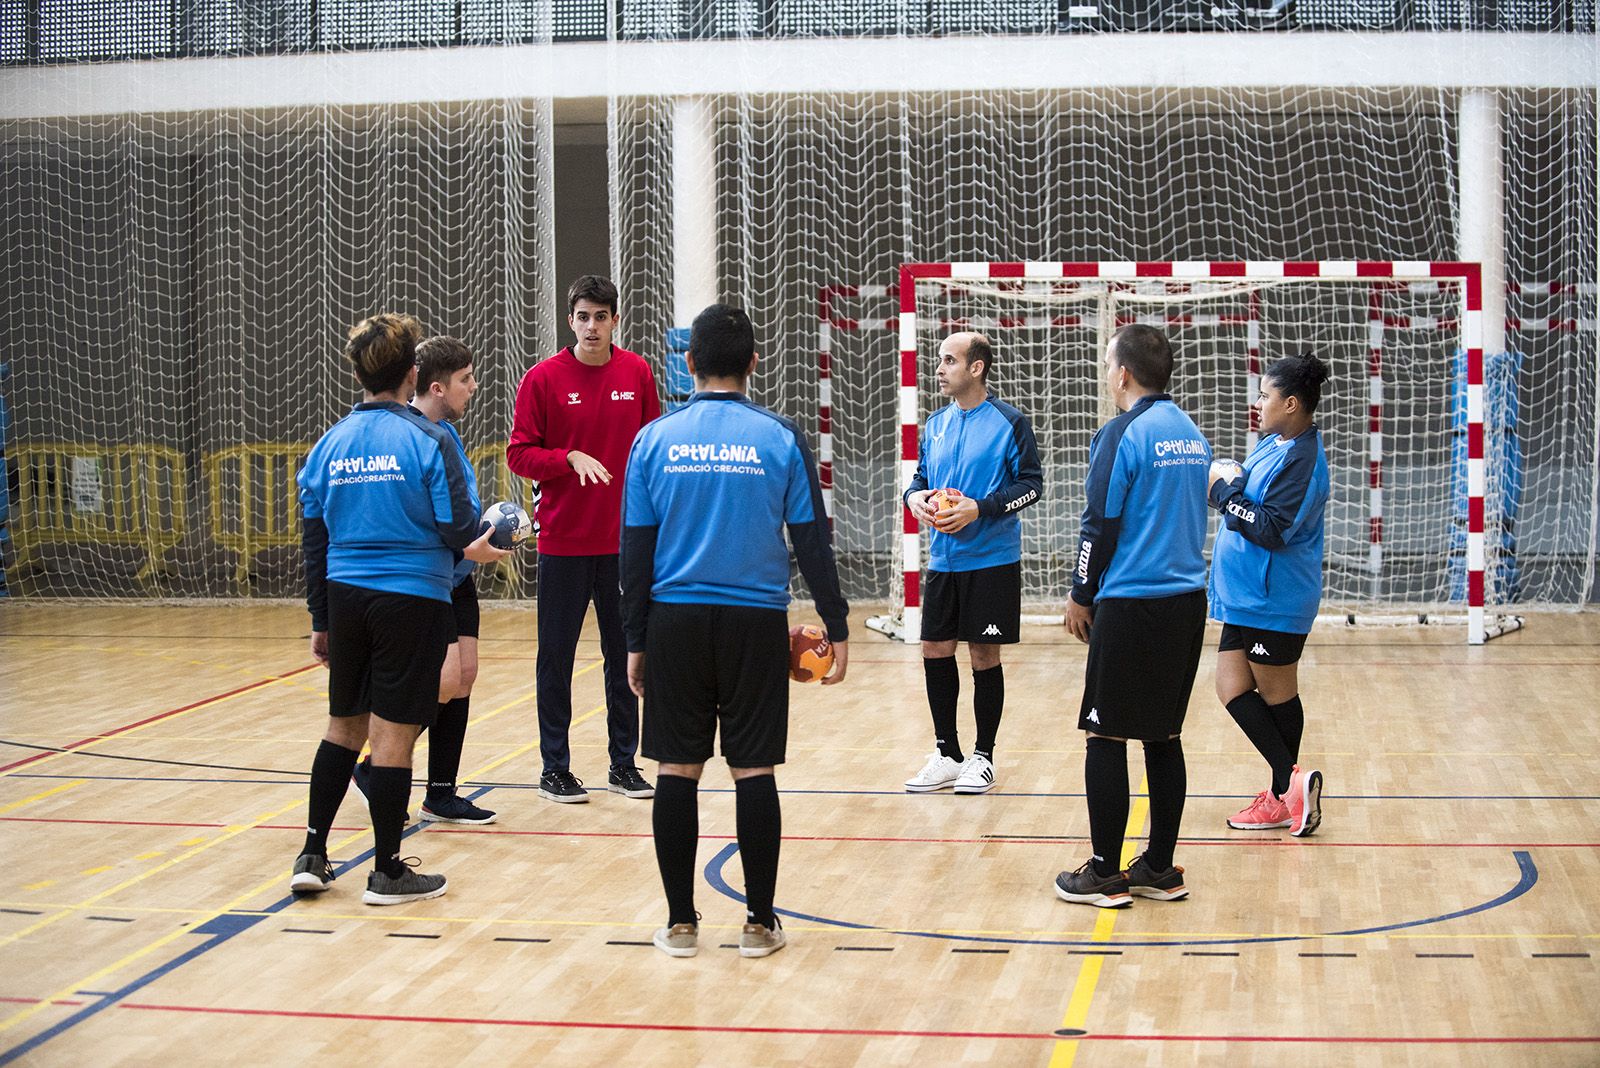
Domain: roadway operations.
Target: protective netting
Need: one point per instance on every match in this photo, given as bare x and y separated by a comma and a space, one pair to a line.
839, 190
178, 291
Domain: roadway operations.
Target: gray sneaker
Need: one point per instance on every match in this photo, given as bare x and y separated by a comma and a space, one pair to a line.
312, 874
398, 889
679, 940
760, 941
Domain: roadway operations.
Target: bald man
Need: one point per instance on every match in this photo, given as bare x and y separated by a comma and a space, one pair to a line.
977, 468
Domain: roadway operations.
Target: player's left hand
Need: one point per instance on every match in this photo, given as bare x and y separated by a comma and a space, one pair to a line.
841, 660
319, 647
481, 552
636, 673
962, 511
1078, 620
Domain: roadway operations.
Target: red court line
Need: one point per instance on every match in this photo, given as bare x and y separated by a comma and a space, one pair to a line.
1298, 843
35, 1001
81, 742
865, 1032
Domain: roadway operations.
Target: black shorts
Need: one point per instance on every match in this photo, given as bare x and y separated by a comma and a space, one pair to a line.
384, 653
983, 606
706, 664
1263, 646
464, 607
1143, 654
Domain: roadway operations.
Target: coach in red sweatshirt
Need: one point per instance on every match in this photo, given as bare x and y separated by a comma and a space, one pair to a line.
576, 416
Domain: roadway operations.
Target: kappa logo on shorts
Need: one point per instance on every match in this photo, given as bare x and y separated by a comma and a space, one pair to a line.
574, 398
1259, 650
991, 630
1094, 716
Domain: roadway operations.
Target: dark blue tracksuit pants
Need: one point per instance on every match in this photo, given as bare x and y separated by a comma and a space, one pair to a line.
566, 586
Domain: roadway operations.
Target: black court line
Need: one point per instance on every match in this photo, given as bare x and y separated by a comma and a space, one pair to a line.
112, 919
863, 949
1205, 953
541, 941
1563, 956
729, 945
303, 930
23, 912
960, 949
1094, 952
405, 934
1444, 956
619, 942
1328, 954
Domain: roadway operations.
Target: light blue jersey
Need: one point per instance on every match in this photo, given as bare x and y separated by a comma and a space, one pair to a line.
464, 566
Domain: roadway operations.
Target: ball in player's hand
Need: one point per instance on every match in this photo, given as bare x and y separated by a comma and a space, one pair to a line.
940, 499
1227, 470
508, 525
810, 653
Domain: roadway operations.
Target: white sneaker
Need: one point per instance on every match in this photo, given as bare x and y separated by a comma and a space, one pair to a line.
937, 774
977, 776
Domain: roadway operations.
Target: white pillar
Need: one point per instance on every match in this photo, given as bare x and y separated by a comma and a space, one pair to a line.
1483, 217
694, 207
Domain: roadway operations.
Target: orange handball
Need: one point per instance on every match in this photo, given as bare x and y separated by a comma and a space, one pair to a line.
810, 653
944, 498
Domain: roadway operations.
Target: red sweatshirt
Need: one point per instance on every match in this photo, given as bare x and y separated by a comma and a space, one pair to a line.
565, 404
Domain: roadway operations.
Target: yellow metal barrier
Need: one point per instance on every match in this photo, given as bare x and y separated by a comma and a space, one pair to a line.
77, 493
251, 499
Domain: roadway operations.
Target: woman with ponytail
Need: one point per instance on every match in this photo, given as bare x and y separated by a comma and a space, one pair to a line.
1266, 582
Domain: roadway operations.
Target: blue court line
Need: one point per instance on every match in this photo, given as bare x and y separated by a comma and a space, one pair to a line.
1529, 876
870, 793
222, 928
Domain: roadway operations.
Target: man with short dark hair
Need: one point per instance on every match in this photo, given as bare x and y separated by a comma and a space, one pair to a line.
1139, 601
711, 488
576, 415
978, 468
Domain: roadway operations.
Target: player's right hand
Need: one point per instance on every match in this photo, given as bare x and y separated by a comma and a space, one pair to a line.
481, 552
319, 647
841, 661
587, 468
917, 503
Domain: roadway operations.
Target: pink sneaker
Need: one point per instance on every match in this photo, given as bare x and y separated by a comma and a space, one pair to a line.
1305, 802
1262, 814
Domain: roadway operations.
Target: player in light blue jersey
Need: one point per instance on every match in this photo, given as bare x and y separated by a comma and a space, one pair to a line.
1266, 583
386, 512
1138, 599
709, 492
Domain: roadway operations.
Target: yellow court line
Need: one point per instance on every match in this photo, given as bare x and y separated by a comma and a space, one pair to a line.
1077, 1015
73, 785
88, 981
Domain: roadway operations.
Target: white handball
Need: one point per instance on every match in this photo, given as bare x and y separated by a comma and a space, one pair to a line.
509, 526
1227, 470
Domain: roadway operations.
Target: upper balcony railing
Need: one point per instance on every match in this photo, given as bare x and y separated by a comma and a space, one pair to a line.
36, 32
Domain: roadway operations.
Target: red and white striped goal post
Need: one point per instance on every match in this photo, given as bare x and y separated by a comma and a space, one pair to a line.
1469, 279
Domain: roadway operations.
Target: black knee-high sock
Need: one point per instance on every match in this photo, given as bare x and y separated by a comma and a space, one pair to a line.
388, 794
759, 822
676, 820
330, 778
988, 702
944, 688
1105, 780
1290, 719
444, 747
1249, 710
1168, 776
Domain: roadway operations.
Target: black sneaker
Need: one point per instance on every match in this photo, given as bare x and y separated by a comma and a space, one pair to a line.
562, 786
626, 780
1085, 887
398, 889
1145, 881
453, 808
362, 777
312, 874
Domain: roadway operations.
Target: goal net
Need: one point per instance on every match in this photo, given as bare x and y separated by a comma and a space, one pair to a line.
1422, 464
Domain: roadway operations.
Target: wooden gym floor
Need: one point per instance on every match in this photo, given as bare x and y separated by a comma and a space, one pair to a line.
152, 791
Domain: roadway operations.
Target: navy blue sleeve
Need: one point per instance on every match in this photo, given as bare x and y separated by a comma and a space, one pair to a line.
1027, 483
1267, 521
314, 549
1097, 540
813, 551
919, 481
638, 567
